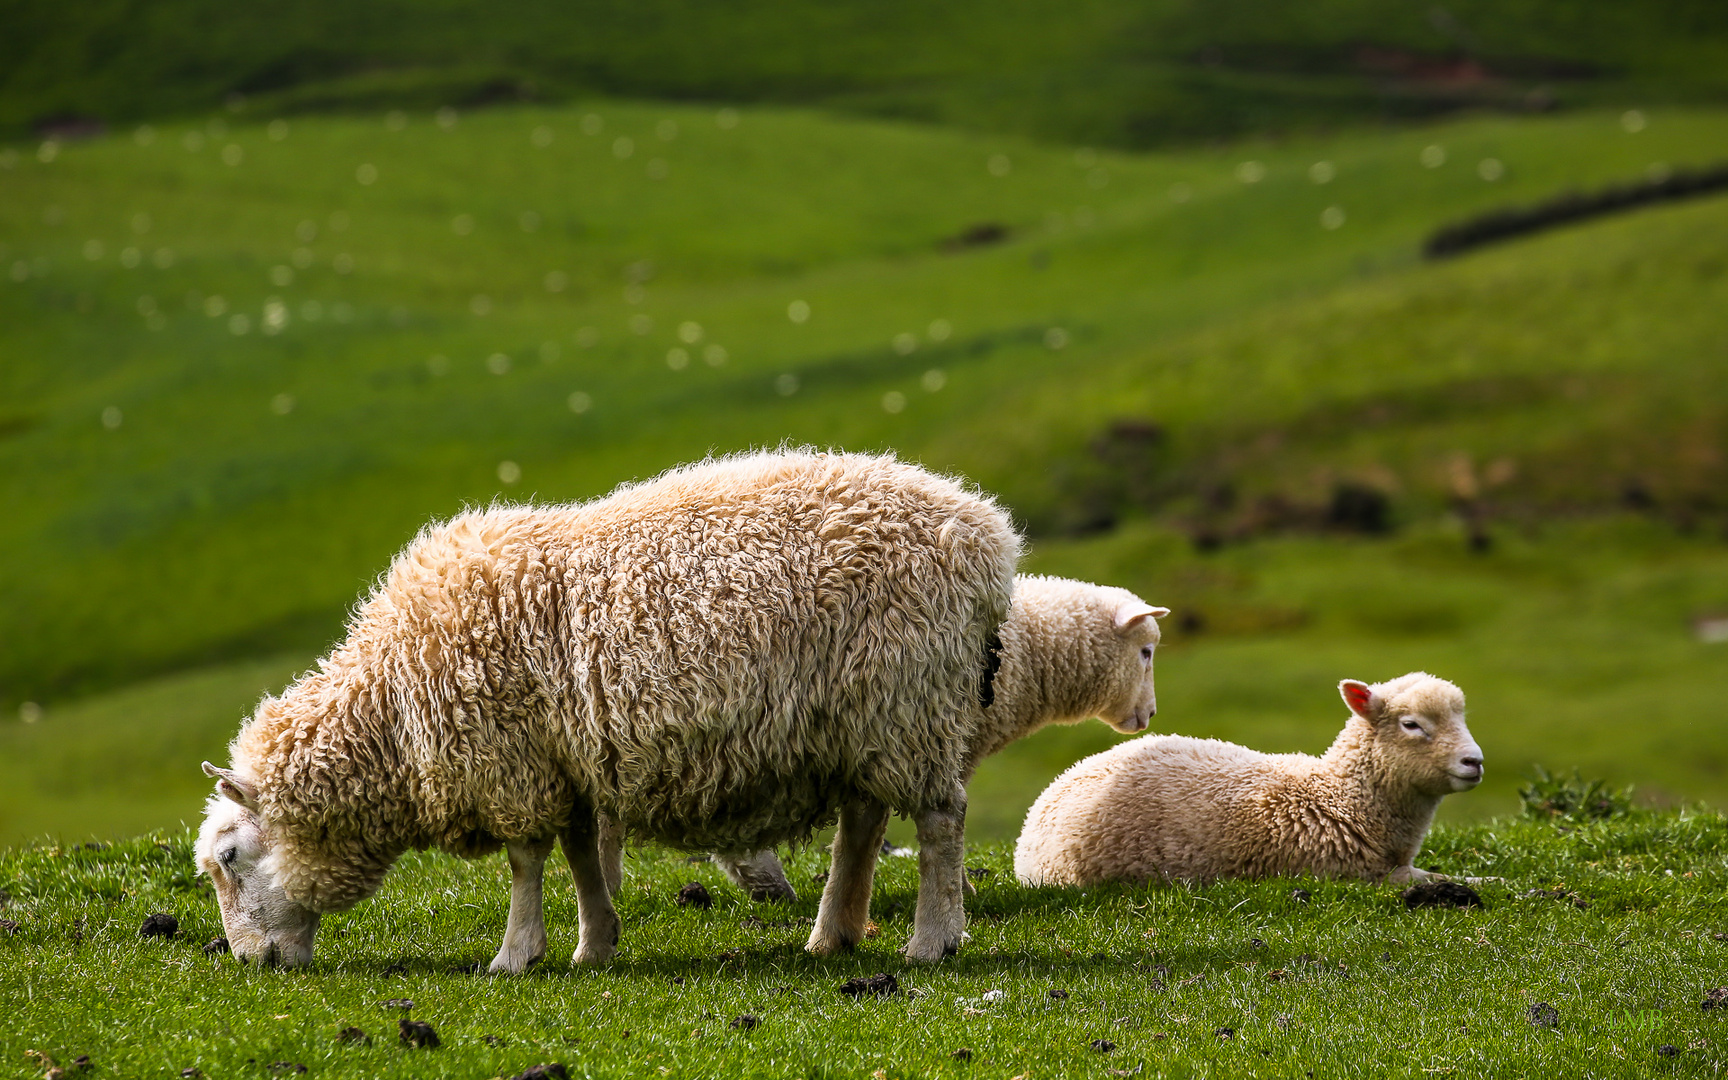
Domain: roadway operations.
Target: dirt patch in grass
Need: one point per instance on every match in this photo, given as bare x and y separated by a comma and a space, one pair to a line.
160, 925
694, 894
881, 984
1443, 894
417, 1034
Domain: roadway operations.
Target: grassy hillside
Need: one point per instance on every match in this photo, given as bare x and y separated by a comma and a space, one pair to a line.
1594, 951
242, 364
1100, 71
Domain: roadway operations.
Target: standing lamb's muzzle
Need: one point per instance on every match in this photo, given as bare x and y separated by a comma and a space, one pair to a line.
261, 923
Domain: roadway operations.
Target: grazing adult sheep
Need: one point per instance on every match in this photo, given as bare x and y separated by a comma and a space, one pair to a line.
723, 658
1197, 809
1069, 651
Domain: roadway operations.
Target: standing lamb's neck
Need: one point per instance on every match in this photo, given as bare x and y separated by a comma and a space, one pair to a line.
1051, 672
1388, 816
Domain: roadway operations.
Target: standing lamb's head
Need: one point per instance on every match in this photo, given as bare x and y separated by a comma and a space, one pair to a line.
235, 849
1083, 650
1418, 732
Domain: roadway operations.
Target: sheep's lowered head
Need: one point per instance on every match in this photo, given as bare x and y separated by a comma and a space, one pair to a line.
1416, 732
1101, 639
235, 849
1134, 701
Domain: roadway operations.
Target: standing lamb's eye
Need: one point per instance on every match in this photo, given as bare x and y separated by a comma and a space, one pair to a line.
1146, 653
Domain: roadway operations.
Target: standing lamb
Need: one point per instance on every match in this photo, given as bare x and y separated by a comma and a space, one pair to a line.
723, 658
1197, 809
1069, 651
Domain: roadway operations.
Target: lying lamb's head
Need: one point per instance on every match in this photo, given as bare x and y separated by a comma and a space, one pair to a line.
1419, 735
234, 848
1130, 701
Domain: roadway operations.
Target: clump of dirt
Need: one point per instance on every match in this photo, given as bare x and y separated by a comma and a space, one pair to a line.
1256, 943
493, 1040
398, 1003
881, 984
695, 895
8, 927
216, 946
1301, 896
1544, 1015
962, 1054
82, 1063
417, 1034
1225, 1034
551, 1070
978, 873
1058, 995
1103, 1046
744, 1023
1445, 894
353, 1036
1715, 999
1559, 894
1283, 1021
160, 925
677, 980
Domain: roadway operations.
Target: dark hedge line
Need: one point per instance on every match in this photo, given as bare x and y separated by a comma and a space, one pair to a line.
1509, 222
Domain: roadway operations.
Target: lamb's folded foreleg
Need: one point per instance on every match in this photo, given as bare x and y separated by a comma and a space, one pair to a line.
598, 938
525, 935
845, 909
759, 874
940, 924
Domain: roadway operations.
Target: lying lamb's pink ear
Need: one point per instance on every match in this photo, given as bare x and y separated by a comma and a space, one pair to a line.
228, 782
1359, 697
1133, 613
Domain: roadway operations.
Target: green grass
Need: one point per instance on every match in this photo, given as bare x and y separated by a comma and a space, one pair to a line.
1347, 983
1101, 71
209, 530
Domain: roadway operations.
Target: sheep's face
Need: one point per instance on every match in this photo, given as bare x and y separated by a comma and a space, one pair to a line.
1419, 732
1132, 701
234, 848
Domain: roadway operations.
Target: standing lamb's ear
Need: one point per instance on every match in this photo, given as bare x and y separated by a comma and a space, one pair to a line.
1133, 613
228, 782
1359, 697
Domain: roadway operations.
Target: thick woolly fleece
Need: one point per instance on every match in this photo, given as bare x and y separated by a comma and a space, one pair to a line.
1169, 807
718, 659
1069, 651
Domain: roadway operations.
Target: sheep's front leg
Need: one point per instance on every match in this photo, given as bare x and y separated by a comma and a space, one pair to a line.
611, 854
598, 937
759, 874
845, 908
525, 936
1406, 875
940, 924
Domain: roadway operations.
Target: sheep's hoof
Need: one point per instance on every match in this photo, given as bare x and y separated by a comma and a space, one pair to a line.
593, 954
931, 950
823, 944
507, 963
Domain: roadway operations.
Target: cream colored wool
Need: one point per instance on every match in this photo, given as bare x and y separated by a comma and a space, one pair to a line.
1070, 651
720, 658
1169, 807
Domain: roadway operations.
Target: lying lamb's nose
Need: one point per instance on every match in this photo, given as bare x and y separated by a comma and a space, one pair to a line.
1471, 762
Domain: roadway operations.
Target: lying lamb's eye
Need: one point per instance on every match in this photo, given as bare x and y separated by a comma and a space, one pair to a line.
1412, 726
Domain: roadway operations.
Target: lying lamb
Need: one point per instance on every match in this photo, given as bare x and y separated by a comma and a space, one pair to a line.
1196, 809
1069, 651
723, 659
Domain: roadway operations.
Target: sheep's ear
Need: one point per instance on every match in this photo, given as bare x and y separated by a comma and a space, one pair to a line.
228, 782
1359, 697
1133, 612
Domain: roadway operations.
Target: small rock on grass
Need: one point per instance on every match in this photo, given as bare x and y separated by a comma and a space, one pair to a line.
1544, 1015
353, 1036
695, 895
1715, 999
416, 1034
1441, 894
1103, 1046
551, 1070
159, 925
8, 927
962, 1054
881, 984
744, 1023
1058, 995
1301, 896
1667, 1050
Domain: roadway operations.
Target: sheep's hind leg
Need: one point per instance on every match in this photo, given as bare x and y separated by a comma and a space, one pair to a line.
525, 936
939, 927
598, 938
759, 874
845, 909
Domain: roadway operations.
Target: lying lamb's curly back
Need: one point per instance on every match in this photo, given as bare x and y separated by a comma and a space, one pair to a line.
1172, 807
714, 658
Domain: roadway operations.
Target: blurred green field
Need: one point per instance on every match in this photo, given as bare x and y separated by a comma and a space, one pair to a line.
239, 366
